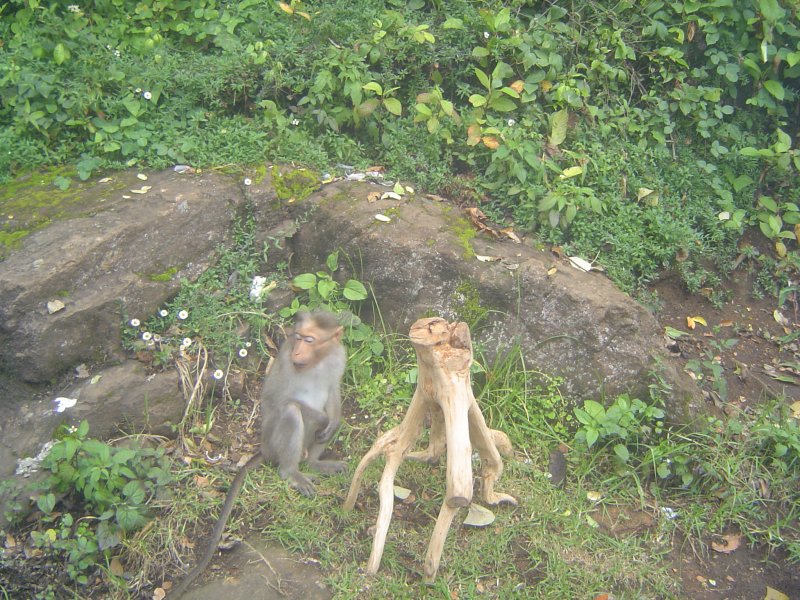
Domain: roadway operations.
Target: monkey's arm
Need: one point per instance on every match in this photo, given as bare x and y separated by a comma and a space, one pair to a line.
333, 409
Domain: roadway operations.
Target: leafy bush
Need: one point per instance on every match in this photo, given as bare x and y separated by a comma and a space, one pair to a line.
112, 485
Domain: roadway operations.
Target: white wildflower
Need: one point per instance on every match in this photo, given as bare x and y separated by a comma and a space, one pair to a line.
156, 337
74, 8
187, 342
219, 374
163, 312
147, 95
138, 90
486, 34
295, 122
134, 322
247, 181
146, 336
183, 315
243, 352
511, 122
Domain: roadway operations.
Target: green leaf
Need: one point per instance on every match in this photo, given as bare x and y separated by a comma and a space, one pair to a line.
109, 535
306, 281
373, 86
46, 503
354, 290
60, 54
393, 106
591, 436
453, 23
326, 286
775, 88
62, 183
771, 10
483, 78
503, 104
332, 262
663, 470
134, 492
622, 452
558, 127
477, 100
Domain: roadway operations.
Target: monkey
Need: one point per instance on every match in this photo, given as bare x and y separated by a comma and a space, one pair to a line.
301, 410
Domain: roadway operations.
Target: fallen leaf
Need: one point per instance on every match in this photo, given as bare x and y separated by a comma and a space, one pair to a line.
673, 333
692, 322
401, 493
773, 594
552, 271
795, 406
54, 306
383, 218
116, 568
601, 597
580, 263
650, 197
126, 197
479, 516
142, 190
726, 323
10, 541
105, 180
399, 189
780, 318
594, 496
728, 544
591, 522
509, 233
392, 195
141, 176
159, 594
488, 258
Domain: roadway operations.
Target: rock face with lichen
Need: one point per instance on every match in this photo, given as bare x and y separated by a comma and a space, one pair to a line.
66, 289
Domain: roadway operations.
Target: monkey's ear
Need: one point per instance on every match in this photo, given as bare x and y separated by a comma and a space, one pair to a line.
338, 335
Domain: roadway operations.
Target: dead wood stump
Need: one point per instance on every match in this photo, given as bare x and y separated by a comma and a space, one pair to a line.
444, 394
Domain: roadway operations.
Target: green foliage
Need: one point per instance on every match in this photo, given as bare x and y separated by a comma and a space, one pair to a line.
323, 291
294, 185
559, 114
113, 485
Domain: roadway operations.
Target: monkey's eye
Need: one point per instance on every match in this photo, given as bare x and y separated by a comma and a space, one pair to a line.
308, 339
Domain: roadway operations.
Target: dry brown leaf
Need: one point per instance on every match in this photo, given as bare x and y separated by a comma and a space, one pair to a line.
201, 481
726, 323
509, 233
729, 543
373, 197
473, 135
159, 594
116, 568
552, 271
490, 142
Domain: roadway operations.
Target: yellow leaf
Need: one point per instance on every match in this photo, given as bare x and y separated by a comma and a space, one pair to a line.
286, 8
490, 142
594, 496
571, 172
552, 271
473, 135
691, 322
518, 86
545, 85
773, 594
780, 249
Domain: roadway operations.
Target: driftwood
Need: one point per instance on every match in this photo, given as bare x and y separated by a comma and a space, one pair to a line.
444, 395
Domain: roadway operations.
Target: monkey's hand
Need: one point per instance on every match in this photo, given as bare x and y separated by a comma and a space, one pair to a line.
324, 435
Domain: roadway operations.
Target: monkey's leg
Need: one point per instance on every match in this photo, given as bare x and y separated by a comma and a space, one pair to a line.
287, 446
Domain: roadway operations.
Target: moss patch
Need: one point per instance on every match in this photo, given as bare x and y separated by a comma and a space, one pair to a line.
296, 185
33, 201
163, 277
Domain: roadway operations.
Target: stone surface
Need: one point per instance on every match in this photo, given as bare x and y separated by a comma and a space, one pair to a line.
125, 259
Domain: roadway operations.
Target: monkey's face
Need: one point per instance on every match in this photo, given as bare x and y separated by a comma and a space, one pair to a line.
311, 344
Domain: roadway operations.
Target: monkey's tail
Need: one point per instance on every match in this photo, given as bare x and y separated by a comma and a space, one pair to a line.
219, 528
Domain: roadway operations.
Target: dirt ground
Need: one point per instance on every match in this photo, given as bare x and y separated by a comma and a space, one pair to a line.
750, 367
